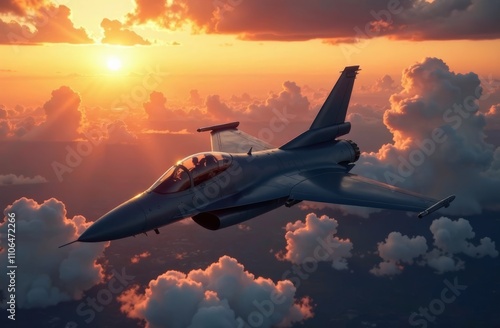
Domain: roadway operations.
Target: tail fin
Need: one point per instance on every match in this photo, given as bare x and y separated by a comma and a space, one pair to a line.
330, 121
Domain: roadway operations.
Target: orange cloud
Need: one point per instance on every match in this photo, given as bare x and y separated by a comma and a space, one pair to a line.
136, 258
63, 117
20, 7
52, 25
340, 21
116, 33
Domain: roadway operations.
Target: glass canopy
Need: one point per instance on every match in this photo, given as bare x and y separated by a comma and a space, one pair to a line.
191, 171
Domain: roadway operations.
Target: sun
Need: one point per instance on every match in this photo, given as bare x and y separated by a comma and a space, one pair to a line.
114, 63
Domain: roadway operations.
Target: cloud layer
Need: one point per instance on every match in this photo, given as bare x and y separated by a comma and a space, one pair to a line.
222, 295
50, 275
294, 20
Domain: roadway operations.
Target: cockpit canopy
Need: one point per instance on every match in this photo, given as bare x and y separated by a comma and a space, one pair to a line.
191, 171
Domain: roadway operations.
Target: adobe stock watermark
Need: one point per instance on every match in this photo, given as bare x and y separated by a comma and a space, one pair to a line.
90, 306
363, 36
136, 95
437, 306
264, 309
452, 117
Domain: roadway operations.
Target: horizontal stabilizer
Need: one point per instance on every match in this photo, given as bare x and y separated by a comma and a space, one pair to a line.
220, 127
226, 137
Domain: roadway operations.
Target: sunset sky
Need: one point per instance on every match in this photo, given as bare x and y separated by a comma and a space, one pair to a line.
99, 98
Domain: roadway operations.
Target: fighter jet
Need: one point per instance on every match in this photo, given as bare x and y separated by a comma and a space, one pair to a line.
243, 177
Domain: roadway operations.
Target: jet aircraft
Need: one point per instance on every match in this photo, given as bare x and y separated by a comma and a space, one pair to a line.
243, 177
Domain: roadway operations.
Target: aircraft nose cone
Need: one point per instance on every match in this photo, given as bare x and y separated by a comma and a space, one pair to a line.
126, 220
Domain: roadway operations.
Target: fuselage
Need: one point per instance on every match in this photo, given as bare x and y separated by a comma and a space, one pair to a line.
255, 181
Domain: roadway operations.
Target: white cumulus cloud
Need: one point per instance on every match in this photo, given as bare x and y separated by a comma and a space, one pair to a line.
315, 240
48, 275
452, 238
222, 295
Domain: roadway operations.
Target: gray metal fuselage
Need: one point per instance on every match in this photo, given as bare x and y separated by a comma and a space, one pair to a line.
253, 184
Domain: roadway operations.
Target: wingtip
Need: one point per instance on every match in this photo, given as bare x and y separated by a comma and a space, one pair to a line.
445, 202
74, 241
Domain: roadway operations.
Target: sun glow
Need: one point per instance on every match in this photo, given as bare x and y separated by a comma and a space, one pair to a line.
114, 63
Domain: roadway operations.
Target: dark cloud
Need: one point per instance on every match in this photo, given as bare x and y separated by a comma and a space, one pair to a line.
222, 295
116, 33
439, 146
314, 240
295, 20
49, 274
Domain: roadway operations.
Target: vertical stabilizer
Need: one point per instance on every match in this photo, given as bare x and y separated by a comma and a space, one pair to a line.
330, 121
334, 109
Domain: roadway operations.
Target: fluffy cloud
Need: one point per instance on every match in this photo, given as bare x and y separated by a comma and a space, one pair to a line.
286, 106
289, 101
155, 107
63, 117
51, 25
49, 274
118, 133
116, 33
438, 134
55, 26
451, 239
385, 83
326, 19
314, 241
195, 98
12, 179
222, 295
397, 249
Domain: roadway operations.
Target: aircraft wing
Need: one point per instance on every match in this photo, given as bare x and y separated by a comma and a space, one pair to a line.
227, 138
351, 189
